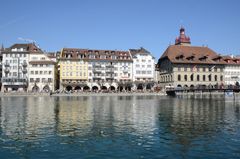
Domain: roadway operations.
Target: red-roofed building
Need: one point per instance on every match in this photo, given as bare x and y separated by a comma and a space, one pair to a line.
183, 65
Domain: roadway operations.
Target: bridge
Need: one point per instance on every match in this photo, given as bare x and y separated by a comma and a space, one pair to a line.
175, 91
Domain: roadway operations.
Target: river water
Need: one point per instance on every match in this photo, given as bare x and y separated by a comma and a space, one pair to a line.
119, 127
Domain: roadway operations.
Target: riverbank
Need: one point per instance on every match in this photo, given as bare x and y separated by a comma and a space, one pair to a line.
84, 94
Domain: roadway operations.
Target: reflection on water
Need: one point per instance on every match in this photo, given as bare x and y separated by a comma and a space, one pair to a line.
119, 127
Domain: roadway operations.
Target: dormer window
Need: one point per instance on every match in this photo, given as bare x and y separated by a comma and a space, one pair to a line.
203, 58
180, 57
190, 58
236, 60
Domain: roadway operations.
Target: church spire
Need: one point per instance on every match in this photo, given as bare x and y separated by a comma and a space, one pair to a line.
182, 39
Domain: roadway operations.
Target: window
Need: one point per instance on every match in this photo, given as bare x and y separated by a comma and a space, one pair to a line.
198, 78
204, 78
215, 77
37, 79
179, 77
41, 72
43, 79
209, 77
185, 77
49, 72
49, 80
221, 78
192, 77
31, 80
32, 72
36, 72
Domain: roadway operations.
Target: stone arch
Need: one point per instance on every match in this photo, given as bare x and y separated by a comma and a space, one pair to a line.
140, 86
128, 87
77, 88
149, 86
120, 88
191, 86
35, 88
179, 85
112, 88
69, 88
95, 88
86, 88
104, 88
46, 88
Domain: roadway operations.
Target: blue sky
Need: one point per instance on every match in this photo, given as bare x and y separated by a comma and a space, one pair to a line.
121, 24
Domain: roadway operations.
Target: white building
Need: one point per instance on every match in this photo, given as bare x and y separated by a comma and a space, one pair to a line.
231, 71
143, 68
15, 67
41, 73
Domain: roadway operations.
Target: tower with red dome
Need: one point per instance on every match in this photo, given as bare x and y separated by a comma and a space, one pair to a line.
182, 39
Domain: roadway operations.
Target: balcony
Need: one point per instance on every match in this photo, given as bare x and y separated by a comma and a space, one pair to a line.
111, 71
97, 70
97, 66
6, 70
14, 81
109, 66
109, 77
24, 64
24, 70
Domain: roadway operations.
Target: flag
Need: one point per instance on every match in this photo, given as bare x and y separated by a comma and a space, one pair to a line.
212, 68
194, 68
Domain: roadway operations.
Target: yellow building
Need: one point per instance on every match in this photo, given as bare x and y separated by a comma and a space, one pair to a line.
73, 70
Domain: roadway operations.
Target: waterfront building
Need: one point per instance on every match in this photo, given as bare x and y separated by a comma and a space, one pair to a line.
183, 65
15, 66
231, 70
73, 70
143, 68
85, 69
42, 76
1, 50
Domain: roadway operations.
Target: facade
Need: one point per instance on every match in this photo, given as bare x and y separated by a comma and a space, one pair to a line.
183, 65
1, 50
231, 71
86, 70
41, 73
15, 67
143, 68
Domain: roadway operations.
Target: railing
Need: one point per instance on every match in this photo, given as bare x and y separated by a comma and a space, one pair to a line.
109, 66
14, 81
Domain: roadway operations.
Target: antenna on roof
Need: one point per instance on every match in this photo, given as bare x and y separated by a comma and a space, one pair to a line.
29, 41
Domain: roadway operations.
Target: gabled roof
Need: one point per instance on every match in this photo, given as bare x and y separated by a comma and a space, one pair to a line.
139, 51
199, 55
28, 47
75, 52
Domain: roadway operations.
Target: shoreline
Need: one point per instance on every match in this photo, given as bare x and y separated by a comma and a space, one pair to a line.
80, 94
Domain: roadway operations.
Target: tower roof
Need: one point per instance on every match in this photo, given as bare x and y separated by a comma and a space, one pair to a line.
182, 39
